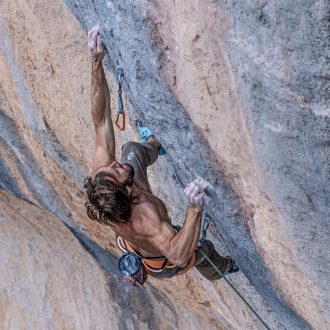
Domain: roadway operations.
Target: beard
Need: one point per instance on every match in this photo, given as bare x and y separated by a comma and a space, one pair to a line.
129, 180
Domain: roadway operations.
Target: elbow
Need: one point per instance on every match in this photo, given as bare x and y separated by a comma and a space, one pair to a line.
181, 262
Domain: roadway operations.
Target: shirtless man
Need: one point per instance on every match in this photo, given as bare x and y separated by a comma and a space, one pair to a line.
119, 194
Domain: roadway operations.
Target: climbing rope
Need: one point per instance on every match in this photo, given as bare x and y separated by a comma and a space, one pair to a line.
206, 222
231, 285
120, 110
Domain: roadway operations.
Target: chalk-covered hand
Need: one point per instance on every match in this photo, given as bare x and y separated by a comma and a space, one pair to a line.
95, 45
201, 183
195, 192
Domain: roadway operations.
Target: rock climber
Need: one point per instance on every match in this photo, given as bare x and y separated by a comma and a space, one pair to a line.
119, 195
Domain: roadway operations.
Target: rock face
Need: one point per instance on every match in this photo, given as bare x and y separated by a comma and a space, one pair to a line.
241, 85
47, 281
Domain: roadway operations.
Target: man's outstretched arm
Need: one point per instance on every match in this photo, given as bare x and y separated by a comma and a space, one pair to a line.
100, 105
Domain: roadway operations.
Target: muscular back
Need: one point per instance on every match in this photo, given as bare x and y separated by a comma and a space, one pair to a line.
148, 221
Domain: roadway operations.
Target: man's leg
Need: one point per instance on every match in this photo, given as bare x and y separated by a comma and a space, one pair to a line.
205, 268
140, 156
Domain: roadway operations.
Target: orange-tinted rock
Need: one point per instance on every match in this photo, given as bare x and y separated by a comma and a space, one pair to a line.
47, 280
214, 72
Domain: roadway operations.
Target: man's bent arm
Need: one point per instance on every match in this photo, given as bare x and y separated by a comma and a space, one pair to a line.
184, 243
179, 248
101, 114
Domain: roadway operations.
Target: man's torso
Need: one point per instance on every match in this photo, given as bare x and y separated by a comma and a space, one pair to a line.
137, 229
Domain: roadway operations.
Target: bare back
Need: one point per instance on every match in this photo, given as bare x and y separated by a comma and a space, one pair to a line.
149, 219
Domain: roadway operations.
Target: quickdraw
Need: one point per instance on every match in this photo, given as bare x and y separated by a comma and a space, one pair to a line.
120, 110
206, 223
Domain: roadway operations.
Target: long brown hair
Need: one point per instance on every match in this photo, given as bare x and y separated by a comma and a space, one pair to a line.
108, 203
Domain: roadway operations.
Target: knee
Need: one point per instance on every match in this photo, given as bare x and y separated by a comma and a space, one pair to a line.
130, 145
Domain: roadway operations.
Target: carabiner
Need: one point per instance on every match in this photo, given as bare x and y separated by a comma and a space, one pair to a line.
122, 127
120, 110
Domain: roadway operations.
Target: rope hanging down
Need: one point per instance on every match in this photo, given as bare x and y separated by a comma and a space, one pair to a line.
204, 229
206, 221
120, 110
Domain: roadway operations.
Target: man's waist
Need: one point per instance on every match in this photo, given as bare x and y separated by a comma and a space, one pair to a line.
143, 250
153, 264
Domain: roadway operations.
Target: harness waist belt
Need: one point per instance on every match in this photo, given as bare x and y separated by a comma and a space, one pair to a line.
154, 264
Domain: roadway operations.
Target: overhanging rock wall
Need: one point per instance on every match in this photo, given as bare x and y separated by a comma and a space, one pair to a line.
235, 92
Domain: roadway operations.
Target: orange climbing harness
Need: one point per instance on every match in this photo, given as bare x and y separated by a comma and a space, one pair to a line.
154, 264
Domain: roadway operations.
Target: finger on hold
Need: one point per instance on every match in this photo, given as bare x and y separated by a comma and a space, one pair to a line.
193, 193
92, 41
196, 190
95, 32
96, 28
189, 188
203, 183
94, 36
199, 184
99, 43
201, 179
198, 181
189, 191
92, 30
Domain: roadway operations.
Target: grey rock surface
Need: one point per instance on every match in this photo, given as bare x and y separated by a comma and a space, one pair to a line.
285, 109
279, 52
272, 60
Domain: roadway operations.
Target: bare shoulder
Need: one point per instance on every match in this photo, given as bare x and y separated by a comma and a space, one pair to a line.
147, 218
158, 231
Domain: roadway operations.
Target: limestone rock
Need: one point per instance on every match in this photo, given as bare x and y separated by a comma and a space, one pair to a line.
241, 85
46, 280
